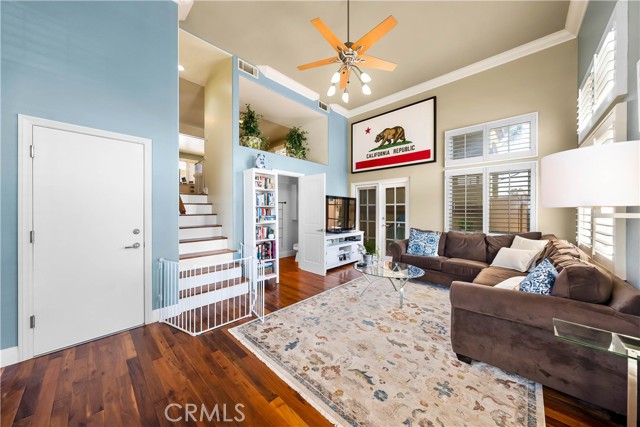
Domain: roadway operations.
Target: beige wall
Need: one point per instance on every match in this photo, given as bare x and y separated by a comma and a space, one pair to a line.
191, 108
218, 125
544, 82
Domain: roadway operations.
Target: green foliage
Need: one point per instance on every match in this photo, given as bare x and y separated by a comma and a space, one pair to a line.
370, 247
296, 143
250, 125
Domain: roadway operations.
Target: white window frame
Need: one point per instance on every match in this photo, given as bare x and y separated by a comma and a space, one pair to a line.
618, 23
486, 173
612, 129
486, 127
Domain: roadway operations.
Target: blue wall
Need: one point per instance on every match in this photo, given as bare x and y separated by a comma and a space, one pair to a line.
244, 158
591, 31
107, 65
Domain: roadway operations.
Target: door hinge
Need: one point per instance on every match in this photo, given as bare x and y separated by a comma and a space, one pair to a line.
32, 322
32, 151
32, 236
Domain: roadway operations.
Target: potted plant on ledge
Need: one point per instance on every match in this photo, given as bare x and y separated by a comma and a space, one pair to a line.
250, 129
296, 143
370, 250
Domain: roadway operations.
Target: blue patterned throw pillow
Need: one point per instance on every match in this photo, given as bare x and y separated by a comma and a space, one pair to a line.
541, 279
423, 243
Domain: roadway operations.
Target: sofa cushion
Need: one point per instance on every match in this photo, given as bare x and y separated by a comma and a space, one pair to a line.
466, 246
516, 259
512, 283
463, 267
583, 282
493, 275
625, 298
540, 280
494, 243
428, 262
423, 242
562, 253
520, 242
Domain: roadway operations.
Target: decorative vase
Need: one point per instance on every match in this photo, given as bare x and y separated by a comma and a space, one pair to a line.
368, 259
251, 142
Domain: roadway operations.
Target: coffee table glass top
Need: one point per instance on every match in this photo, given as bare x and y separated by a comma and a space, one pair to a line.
390, 269
599, 339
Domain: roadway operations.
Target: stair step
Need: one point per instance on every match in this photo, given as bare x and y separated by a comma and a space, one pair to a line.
197, 220
202, 239
206, 253
194, 198
202, 245
188, 227
198, 214
198, 208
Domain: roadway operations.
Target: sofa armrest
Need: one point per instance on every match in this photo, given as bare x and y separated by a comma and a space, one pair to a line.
398, 248
539, 310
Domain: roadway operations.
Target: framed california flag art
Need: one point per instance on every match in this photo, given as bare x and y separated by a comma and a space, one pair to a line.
402, 137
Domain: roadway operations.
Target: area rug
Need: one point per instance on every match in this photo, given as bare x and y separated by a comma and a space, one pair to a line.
363, 361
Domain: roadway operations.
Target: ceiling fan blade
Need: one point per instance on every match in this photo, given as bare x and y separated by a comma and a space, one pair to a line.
328, 35
344, 77
319, 63
374, 35
369, 61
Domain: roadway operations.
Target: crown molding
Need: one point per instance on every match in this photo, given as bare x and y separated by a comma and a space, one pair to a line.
575, 16
288, 82
530, 48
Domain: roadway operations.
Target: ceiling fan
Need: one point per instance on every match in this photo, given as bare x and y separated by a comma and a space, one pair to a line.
351, 56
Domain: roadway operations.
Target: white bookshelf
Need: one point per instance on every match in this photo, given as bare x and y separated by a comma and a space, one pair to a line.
261, 220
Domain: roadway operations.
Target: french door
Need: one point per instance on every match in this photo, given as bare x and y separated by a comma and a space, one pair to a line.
383, 209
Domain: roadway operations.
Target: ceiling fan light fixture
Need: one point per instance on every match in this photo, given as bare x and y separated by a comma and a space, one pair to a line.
336, 77
366, 89
345, 96
366, 78
332, 90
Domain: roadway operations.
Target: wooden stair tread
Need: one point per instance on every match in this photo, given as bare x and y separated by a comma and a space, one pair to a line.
207, 253
203, 239
198, 214
200, 204
199, 226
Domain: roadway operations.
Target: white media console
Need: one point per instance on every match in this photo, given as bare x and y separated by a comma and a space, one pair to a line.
342, 248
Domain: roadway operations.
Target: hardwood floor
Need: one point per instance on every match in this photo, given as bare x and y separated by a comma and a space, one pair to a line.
130, 378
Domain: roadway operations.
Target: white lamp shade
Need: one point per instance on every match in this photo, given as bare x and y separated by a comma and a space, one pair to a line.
601, 175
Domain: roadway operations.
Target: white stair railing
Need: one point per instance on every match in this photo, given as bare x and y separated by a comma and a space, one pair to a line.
200, 299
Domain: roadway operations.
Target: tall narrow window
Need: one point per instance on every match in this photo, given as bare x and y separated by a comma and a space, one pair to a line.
465, 202
510, 201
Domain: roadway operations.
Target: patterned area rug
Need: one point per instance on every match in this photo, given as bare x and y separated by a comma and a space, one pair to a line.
363, 361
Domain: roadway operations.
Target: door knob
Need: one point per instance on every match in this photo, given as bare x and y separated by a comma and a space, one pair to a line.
134, 246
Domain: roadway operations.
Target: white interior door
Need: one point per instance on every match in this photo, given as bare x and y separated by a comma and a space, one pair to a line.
88, 202
393, 216
311, 223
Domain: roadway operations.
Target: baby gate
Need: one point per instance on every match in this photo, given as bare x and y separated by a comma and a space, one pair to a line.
200, 299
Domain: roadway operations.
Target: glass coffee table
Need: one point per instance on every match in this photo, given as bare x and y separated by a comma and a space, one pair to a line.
611, 342
398, 274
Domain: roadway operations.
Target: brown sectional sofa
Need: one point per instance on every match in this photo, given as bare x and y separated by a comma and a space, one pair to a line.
514, 330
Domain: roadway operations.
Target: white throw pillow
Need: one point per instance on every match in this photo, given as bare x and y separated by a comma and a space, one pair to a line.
512, 283
516, 259
528, 244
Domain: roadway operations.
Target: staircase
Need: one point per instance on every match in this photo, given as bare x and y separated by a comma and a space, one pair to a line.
201, 242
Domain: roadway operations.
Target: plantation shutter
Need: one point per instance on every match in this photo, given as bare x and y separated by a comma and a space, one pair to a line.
585, 104
604, 235
511, 137
510, 201
584, 229
465, 202
465, 145
604, 71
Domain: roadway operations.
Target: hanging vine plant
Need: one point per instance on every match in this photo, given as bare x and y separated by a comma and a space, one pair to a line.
250, 135
296, 143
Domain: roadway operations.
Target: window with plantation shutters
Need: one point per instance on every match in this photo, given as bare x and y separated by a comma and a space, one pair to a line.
606, 78
496, 199
583, 235
510, 201
506, 139
465, 202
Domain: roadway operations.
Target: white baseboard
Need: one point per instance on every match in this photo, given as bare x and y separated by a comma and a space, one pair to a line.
284, 254
9, 356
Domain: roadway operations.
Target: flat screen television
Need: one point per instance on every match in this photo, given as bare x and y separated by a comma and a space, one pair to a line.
341, 214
